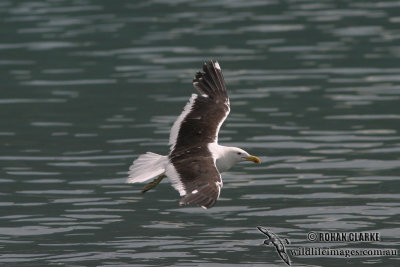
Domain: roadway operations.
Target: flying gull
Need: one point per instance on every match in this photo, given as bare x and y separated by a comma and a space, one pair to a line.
196, 159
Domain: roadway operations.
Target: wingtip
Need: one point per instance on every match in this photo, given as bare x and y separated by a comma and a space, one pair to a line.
210, 80
199, 198
217, 66
212, 63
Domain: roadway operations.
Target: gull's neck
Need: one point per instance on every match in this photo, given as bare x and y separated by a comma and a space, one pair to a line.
221, 157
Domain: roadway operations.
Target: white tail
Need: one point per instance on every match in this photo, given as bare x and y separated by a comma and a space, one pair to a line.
147, 166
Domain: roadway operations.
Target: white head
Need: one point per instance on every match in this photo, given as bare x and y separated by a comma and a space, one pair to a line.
240, 155
232, 155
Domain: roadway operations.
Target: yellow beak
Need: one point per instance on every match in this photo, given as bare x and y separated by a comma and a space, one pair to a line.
253, 159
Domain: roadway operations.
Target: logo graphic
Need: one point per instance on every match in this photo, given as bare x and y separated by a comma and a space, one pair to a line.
277, 242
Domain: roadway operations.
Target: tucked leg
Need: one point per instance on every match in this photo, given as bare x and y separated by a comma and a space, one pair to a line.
153, 184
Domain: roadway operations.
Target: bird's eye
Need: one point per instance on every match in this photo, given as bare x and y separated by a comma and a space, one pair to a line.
239, 153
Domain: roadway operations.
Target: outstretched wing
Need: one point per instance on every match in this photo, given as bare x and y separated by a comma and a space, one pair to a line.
193, 172
196, 177
204, 114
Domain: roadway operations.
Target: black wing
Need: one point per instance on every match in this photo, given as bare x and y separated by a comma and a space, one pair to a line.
200, 178
202, 117
196, 175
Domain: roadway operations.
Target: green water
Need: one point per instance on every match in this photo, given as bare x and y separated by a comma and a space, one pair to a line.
87, 86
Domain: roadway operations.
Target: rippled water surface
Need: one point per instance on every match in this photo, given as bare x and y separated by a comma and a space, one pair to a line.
87, 86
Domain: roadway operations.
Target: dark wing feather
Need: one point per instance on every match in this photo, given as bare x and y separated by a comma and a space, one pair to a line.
211, 82
195, 128
204, 114
199, 176
205, 196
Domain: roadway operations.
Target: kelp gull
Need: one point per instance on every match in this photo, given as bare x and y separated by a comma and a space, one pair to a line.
196, 159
